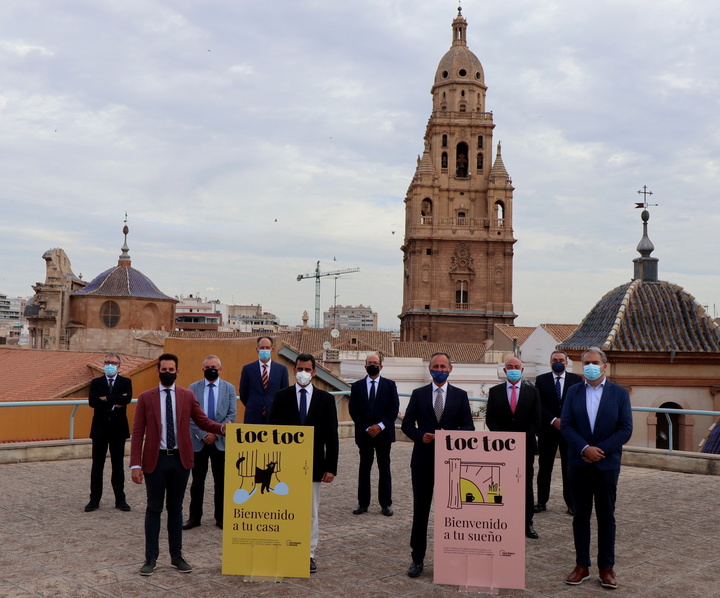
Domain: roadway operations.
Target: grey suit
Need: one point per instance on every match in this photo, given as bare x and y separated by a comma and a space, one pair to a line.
225, 412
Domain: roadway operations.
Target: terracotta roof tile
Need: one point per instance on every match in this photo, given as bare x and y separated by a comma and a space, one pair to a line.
35, 375
559, 332
459, 352
521, 333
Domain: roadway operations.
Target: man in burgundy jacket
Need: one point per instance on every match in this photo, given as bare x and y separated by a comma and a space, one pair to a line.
162, 450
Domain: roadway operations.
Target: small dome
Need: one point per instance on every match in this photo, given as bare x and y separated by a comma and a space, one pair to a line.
459, 65
123, 281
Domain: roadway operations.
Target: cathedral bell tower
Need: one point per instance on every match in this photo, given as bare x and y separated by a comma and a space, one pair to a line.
458, 246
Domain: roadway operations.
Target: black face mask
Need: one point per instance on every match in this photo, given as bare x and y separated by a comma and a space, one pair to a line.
211, 374
372, 370
167, 378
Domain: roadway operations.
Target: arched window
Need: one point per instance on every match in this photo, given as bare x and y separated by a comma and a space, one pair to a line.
461, 292
662, 435
499, 210
463, 108
444, 140
110, 314
426, 207
461, 160
480, 161
444, 160
480, 141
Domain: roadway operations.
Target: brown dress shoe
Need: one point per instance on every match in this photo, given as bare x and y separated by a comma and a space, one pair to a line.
607, 579
579, 574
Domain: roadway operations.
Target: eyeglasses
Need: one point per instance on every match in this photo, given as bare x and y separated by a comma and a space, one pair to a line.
111, 363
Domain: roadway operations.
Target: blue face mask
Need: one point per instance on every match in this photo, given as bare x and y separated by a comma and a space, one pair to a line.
513, 375
110, 370
264, 354
558, 367
439, 376
592, 371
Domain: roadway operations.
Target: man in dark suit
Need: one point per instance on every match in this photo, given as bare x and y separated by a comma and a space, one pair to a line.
596, 422
259, 381
161, 449
553, 387
436, 406
109, 397
304, 405
515, 407
218, 402
374, 405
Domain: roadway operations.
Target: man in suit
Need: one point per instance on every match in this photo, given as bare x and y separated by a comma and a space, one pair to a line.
553, 387
259, 381
374, 405
436, 406
304, 405
162, 450
109, 396
218, 401
596, 422
515, 407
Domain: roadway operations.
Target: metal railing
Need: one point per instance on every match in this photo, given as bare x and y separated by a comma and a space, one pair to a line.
340, 394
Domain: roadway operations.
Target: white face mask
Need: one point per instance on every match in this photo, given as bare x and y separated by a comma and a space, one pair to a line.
303, 378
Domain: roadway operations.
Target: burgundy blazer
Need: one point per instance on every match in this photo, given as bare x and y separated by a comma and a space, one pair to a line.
147, 424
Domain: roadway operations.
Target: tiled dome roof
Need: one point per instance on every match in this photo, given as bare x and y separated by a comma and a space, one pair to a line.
655, 316
123, 281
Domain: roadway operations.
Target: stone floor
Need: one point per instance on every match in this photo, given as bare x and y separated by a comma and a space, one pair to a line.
667, 539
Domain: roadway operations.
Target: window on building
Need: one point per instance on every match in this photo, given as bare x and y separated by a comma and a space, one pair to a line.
444, 140
479, 161
110, 314
461, 160
444, 160
461, 291
480, 141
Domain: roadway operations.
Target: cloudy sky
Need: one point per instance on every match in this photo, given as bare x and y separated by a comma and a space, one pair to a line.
248, 140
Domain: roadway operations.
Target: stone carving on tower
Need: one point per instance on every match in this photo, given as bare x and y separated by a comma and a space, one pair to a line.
458, 245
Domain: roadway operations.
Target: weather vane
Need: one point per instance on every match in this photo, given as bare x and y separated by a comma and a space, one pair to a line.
645, 192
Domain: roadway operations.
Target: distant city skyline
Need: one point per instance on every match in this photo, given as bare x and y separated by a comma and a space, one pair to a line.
248, 141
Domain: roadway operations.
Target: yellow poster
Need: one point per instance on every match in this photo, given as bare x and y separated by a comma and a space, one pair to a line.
268, 500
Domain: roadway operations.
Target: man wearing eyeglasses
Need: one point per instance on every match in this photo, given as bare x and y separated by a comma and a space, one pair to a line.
109, 396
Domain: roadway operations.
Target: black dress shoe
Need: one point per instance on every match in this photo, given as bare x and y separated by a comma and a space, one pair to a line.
387, 511
92, 506
313, 565
531, 533
415, 569
190, 523
540, 507
359, 510
123, 506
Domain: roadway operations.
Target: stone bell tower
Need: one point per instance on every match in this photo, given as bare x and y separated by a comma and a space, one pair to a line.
458, 246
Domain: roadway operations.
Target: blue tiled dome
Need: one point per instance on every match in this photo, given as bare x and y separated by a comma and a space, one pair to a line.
123, 281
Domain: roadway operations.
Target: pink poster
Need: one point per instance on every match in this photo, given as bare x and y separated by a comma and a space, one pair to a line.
480, 509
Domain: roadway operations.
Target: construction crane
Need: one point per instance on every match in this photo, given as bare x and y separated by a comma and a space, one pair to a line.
316, 275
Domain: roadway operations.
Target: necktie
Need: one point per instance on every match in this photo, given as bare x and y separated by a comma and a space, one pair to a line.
303, 405
211, 402
264, 376
558, 390
110, 385
513, 398
438, 404
169, 421
371, 400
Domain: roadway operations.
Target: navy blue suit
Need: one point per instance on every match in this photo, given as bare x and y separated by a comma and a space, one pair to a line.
420, 419
258, 400
550, 439
500, 418
595, 481
383, 410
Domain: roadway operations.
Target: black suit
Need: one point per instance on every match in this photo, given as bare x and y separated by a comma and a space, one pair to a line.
383, 410
109, 429
550, 438
500, 418
420, 419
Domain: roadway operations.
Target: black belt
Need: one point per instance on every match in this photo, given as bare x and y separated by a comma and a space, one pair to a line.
169, 451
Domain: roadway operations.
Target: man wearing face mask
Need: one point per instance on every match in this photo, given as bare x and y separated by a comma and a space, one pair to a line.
259, 381
217, 399
373, 406
596, 422
515, 407
436, 406
553, 387
304, 405
109, 397
161, 451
